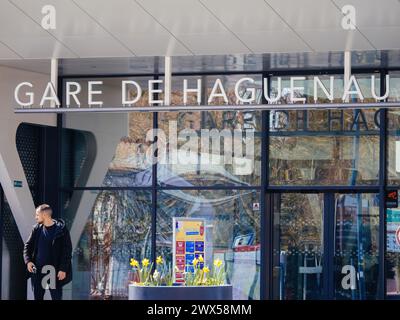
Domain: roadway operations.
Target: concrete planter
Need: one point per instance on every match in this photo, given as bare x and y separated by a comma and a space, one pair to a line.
180, 292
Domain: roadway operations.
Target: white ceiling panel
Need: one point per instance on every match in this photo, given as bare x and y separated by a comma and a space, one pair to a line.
134, 27
125, 28
154, 45
378, 20
33, 65
76, 29
6, 53
192, 23
26, 37
28, 47
244, 17
324, 41
319, 23
182, 16
274, 41
374, 13
308, 14
384, 38
213, 43
257, 25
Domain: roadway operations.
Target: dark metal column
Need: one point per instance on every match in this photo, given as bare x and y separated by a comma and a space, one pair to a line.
382, 191
266, 276
60, 95
329, 246
154, 194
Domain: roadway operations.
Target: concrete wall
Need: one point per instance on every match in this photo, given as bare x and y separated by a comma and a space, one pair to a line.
20, 199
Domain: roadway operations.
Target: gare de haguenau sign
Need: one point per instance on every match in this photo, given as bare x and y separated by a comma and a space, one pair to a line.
244, 91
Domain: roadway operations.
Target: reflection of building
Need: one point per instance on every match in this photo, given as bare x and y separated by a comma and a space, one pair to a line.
120, 228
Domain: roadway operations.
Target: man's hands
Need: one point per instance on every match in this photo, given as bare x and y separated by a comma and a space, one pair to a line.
30, 266
61, 275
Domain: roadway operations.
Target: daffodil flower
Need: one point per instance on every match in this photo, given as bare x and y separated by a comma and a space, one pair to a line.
134, 263
145, 262
206, 270
201, 259
195, 261
159, 260
217, 263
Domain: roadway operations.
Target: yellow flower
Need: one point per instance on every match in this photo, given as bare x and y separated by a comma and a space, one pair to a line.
201, 258
195, 262
217, 263
159, 260
134, 263
206, 270
145, 262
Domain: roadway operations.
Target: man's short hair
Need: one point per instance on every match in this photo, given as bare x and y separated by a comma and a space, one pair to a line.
44, 208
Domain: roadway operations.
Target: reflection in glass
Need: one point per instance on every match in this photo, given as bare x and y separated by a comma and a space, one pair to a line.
298, 246
117, 227
363, 80
203, 164
324, 147
112, 152
129, 165
356, 246
393, 163
394, 92
232, 232
393, 252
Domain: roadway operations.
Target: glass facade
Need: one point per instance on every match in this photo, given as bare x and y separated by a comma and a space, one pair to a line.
314, 176
231, 223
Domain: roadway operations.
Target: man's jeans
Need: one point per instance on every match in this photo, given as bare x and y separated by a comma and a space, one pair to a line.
39, 291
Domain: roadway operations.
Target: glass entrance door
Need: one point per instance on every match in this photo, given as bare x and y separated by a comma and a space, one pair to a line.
298, 246
325, 246
356, 246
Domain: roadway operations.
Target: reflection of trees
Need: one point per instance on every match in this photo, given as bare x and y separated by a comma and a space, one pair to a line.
322, 153
300, 224
121, 226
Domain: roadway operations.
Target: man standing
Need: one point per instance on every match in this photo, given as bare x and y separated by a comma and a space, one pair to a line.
47, 249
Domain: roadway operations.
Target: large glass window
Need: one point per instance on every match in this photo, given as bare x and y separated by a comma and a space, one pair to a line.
356, 246
324, 147
298, 246
209, 154
211, 147
394, 92
107, 150
393, 252
393, 169
232, 230
114, 226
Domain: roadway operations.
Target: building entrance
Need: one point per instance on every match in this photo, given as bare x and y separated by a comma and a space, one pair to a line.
325, 246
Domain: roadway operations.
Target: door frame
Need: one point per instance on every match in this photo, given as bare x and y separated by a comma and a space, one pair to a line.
328, 229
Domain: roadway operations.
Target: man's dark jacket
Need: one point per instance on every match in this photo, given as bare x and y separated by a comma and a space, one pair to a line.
61, 249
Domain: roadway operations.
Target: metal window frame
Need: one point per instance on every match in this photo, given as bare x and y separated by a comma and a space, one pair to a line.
267, 190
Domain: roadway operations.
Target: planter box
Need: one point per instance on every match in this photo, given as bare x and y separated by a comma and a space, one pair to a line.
180, 292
